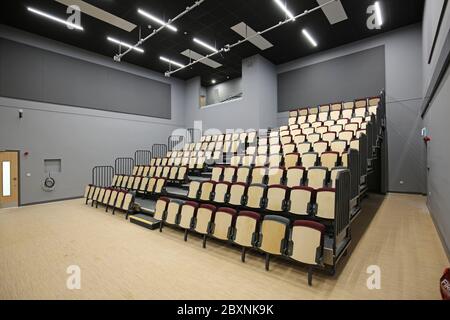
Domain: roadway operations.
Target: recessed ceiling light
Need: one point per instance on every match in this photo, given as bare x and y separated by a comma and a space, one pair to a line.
378, 13
213, 81
158, 21
207, 46
49, 16
309, 37
124, 44
172, 62
285, 9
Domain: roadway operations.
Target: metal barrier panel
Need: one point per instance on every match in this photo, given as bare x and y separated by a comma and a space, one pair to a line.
102, 176
363, 154
142, 157
159, 150
176, 143
342, 205
124, 166
355, 173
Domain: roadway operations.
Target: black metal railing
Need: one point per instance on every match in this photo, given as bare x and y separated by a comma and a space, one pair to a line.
159, 150
102, 176
124, 166
142, 157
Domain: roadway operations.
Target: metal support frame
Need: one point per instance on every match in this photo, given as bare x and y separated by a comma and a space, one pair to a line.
228, 47
159, 150
118, 57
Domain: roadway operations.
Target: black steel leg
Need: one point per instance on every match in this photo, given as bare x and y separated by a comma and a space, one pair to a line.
160, 226
267, 261
204, 241
186, 232
243, 254
310, 276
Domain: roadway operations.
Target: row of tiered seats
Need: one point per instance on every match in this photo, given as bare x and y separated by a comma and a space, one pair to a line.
293, 176
300, 241
175, 174
111, 198
298, 200
335, 111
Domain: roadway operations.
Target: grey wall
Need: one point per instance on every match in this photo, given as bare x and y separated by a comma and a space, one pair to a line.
223, 91
82, 138
256, 109
36, 74
436, 120
339, 79
403, 55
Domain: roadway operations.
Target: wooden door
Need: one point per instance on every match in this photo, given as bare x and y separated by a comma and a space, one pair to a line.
9, 179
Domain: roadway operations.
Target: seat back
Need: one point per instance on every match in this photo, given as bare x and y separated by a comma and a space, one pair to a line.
106, 197
334, 175
127, 202
222, 226
291, 160
273, 234
338, 146
229, 173
329, 160
303, 148
216, 174
243, 174
143, 186
294, 176
173, 211
255, 196
276, 198
237, 192
221, 191
113, 198
194, 188
326, 204
160, 185
301, 200
320, 147
246, 228
329, 137
206, 190
316, 177
309, 160
259, 175
275, 176
275, 160
187, 213
205, 214
247, 160
306, 240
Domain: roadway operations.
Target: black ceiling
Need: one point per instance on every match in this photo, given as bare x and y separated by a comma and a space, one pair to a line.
211, 21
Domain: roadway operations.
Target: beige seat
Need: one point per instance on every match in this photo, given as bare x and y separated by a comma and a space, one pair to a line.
203, 221
272, 237
194, 188
237, 193
316, 177
216, 174
275, 176
329, 160
221, 192
246, 230
300, 200
294, 176
291, 160
255, 196
276, 198
309, 160
303, 148
339, 146
320, 147
206, 190
334, 175
229, 173
243, 174
326, 204
258, 175
222, 226
187, 216
306, 244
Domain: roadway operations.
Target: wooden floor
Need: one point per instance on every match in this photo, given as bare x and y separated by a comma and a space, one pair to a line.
120, 260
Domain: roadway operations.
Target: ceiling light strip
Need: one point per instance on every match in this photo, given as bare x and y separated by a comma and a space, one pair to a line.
228, 47
51, 17
171, 62
309, 37
124, 44
158, 21
197, 3
285, 9
204, 44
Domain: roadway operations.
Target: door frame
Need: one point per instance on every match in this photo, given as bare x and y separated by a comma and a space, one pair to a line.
19, 201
